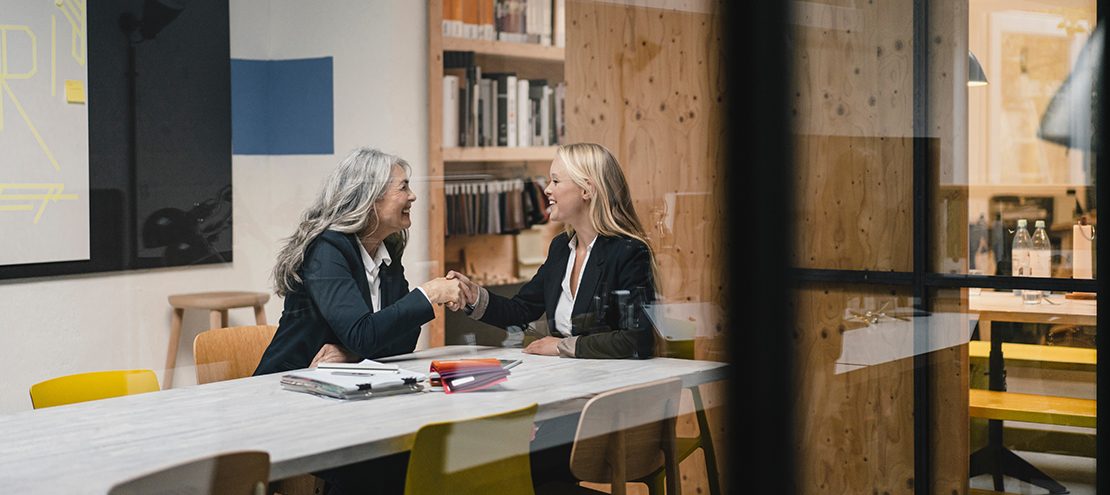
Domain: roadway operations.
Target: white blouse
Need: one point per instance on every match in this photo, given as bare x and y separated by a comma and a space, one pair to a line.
373, 266
565, 306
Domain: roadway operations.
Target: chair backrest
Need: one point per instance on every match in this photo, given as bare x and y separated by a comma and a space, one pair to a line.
96, 385
229, 353
628, 434
475, 456
236, 473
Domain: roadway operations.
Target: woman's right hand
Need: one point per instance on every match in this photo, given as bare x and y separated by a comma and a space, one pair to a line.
444, 291
471, 288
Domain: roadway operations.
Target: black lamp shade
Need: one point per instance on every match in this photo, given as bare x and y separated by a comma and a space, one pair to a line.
975, 74
157, 14
1071, 118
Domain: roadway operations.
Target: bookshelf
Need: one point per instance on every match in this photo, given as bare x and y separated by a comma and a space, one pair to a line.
498, 253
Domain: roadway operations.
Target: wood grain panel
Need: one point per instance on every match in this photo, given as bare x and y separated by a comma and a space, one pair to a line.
437, 216
854, 429
854, 203
949, 435
646, 83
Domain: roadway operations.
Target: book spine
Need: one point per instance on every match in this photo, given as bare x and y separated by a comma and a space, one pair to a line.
512, 119
524, 114
450, 111
560, 23
496, 104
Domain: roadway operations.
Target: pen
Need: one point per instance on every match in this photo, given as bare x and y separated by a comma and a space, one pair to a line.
513, 364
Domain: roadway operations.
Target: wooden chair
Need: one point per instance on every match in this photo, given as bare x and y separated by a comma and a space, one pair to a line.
475, 456
230, 353
237, 473
627, 435
217, 304
96, 385
685, 446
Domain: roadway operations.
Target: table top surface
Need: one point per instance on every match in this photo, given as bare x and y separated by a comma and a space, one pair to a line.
1007, 302
91, 446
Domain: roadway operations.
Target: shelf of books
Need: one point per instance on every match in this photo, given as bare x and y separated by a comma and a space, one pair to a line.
496, 112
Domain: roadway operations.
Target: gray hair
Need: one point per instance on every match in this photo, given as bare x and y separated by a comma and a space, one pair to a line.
346, 204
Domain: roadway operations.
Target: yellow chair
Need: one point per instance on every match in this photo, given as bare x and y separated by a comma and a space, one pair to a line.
236, 473
92, 386
230, 353
474, 456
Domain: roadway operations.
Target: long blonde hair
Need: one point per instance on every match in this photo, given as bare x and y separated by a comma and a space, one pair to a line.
345, 204
593, 168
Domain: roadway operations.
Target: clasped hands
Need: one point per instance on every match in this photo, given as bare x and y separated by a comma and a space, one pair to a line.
453, 291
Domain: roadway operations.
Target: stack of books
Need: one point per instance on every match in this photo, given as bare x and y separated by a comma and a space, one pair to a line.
541, 22
467, 375
353, 380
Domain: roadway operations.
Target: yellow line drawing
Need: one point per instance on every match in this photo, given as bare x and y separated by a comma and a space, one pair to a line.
76, 20
54, 193
4, 69
30, 125
53, 55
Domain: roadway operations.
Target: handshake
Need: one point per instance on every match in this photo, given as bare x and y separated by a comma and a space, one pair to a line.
455, 291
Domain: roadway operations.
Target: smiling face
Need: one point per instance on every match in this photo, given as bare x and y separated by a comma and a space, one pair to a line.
567, 203
393, 207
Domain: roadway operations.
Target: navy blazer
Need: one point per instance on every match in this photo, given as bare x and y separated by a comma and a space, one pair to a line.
615, 263
332, 306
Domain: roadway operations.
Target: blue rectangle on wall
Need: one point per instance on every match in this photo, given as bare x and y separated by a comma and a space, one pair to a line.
282, 107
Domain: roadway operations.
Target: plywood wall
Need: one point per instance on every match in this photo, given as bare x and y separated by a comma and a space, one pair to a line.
853, 110
646, 83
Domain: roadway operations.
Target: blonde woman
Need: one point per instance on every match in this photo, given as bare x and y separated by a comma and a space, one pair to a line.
580, 287
341, 275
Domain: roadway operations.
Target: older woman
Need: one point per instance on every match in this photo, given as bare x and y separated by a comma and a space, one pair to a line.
341, 274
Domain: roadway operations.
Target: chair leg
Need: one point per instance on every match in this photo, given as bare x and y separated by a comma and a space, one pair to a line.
260, 315
171, 353
217, 318
706, 443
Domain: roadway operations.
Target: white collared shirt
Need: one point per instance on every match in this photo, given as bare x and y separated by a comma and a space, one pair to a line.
373, 266
565, 306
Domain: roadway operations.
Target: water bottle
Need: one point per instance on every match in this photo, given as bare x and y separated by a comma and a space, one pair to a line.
1040, 257
1020, 254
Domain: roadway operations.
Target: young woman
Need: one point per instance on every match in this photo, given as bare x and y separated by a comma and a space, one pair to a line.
341, 273
598, 273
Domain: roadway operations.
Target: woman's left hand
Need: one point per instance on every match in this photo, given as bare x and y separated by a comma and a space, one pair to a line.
547, 346
331, 353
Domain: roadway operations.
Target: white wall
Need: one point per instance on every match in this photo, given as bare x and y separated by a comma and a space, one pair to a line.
61, 325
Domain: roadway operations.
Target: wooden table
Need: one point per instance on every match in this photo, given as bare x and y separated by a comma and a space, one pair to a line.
996, 404
1005, 306
88, 447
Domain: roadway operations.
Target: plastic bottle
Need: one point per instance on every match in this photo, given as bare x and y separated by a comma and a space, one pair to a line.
1020, 254
1040, 257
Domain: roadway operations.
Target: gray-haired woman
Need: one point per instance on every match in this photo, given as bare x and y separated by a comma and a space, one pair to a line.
341, 275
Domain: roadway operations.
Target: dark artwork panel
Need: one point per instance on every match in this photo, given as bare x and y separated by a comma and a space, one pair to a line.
159, 97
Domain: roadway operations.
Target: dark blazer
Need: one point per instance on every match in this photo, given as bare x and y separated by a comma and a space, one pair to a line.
615, 263
332, 306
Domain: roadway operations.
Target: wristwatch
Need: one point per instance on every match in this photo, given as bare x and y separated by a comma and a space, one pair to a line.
469, 308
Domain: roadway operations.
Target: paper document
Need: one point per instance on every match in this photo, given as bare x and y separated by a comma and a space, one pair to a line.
365, 364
